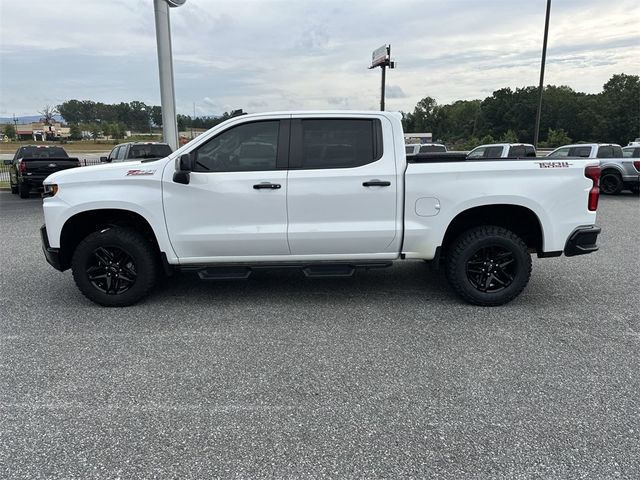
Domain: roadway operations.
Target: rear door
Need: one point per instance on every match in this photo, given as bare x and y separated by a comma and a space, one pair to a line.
342, 187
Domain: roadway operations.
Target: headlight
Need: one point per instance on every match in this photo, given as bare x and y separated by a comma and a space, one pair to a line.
50, 190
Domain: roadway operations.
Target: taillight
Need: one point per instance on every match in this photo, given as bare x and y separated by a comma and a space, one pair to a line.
593, 173
22, 166
636, 164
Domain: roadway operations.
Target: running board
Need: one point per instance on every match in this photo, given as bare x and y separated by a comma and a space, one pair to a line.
318, 270
224, 273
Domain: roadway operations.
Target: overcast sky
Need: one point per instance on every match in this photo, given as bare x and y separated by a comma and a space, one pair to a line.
300, 54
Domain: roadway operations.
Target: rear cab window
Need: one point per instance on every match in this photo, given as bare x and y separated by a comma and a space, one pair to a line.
42, 152
432, 149
149, 151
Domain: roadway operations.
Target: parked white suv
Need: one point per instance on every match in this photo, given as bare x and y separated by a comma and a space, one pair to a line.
327, 192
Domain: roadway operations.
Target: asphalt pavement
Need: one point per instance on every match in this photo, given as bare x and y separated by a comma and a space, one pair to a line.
384, 375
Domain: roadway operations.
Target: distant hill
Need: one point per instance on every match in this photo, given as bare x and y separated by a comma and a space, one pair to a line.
28, 118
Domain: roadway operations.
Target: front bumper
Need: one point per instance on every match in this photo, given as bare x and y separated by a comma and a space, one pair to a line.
51, 254
582, 241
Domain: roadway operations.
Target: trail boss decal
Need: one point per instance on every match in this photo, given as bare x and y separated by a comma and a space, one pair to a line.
140, 172
554, 164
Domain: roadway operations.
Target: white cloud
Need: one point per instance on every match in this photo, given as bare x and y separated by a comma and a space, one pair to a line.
285, 54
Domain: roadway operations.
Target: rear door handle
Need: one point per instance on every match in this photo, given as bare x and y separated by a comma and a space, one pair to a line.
270, 186
376, 183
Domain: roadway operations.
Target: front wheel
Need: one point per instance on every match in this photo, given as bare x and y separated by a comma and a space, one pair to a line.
115, 267
488, 265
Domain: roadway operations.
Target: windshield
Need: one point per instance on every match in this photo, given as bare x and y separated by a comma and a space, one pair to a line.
157, 150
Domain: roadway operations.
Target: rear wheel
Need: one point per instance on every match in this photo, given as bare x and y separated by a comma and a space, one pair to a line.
14, 189
23, 189
611, 183
116, 267
488, 265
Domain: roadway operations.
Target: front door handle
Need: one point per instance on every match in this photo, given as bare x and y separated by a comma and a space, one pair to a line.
270, 186
376, 183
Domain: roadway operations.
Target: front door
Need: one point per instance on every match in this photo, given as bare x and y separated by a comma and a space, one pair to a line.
235, 204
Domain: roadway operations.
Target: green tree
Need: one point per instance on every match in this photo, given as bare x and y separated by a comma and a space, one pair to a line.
74, 132
10, 131
509, 137
557, 138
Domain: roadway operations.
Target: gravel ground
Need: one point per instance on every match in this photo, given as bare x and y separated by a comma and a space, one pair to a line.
384, 375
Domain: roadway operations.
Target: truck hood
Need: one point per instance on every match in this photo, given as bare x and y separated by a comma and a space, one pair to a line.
106, 171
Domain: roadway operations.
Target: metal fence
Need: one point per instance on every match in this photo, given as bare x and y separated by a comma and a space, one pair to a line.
4, 169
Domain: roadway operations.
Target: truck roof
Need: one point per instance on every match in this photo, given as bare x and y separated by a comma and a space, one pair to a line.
590, 145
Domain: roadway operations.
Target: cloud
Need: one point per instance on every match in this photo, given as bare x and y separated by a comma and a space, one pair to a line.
394, 91
287, 54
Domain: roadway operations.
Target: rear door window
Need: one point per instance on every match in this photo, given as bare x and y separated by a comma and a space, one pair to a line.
605, 152
493, 152
583, 152
561, 152
336, 143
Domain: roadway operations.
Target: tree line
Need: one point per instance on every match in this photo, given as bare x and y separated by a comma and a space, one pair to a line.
613, 115
115, 119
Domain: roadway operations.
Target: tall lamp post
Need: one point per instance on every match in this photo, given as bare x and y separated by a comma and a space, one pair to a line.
165, 67
541, 86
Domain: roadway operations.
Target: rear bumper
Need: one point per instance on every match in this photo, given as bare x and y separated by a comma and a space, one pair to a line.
34, 181
582, 241
52, 255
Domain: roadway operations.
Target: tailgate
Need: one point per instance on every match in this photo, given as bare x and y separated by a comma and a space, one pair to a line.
47, 166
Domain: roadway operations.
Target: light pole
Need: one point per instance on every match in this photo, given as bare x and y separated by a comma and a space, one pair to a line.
541, 86
165, 67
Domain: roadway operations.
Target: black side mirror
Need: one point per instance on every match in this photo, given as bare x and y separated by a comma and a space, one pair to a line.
7, 162
184, 165
105, 159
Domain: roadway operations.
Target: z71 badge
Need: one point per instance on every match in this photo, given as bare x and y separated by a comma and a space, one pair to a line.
554, 164
140, 172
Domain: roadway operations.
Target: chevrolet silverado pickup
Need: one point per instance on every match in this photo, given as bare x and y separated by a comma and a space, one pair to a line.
618, 171
31, 164
325, 192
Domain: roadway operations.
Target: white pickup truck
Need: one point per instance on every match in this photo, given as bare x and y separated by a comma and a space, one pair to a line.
326, 192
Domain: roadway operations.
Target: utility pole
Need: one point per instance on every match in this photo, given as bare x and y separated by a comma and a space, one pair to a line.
165, 67
381, 57
541, 86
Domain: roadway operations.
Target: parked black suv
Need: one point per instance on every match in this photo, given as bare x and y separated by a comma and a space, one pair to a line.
137, 151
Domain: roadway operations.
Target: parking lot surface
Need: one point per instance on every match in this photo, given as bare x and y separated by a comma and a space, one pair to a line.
386, 374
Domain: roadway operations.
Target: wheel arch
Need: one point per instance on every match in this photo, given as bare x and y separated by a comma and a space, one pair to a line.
519, 219
78, 226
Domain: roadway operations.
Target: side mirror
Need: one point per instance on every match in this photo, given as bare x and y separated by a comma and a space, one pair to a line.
104, 159
184, 165
7, 162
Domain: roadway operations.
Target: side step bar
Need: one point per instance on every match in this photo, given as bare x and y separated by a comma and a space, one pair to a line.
319, 270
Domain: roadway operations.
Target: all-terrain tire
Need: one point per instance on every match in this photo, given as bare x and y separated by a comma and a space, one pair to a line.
118, 253
14, 189
23, 189
611, 183
471, 252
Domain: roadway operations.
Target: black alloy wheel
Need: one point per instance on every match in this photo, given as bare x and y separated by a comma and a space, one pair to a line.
491, 269
116, 266
111, 270
488, 265
610, 184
